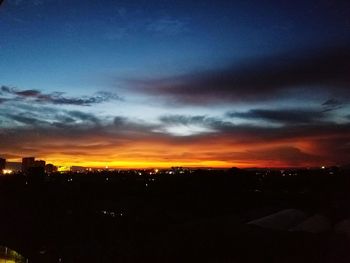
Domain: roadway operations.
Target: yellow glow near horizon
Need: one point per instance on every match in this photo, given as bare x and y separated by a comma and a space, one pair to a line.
146, 164
65, 165
63, 168
211, 152
2, 260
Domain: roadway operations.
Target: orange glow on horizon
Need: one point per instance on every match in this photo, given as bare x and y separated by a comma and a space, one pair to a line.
165, 152
65, 164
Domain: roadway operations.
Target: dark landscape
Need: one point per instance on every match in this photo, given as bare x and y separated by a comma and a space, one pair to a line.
199, 215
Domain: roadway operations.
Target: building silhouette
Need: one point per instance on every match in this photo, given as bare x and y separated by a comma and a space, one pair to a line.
27, 163
50, 168
37, 169
39, 163
2, 164
32, 167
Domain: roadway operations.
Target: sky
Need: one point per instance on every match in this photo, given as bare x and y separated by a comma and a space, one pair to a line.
138, 84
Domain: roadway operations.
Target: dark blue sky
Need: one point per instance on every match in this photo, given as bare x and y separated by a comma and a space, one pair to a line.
90, 64
59, 43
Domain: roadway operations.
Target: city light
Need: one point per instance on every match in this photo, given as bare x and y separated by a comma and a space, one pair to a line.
7, 171
63, 168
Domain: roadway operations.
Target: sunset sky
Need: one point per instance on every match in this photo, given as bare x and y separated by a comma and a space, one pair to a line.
171, 83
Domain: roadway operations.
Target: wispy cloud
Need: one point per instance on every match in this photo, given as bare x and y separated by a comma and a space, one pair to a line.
332, 104
46, 117
58, 98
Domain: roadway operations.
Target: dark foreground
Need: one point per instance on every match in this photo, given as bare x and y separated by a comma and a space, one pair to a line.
201, 216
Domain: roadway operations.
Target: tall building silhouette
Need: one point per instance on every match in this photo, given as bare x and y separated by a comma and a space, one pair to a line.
27, 163
2, 164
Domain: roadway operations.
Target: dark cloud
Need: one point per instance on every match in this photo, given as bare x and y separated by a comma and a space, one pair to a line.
84, 120
286, 155
39, 116
302, 72
25, 119
58, 97
119, 121
290, 155
2, 100
182, 119
332, 104
84, 116
285, 116
5, 89
250, 134
27, 93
